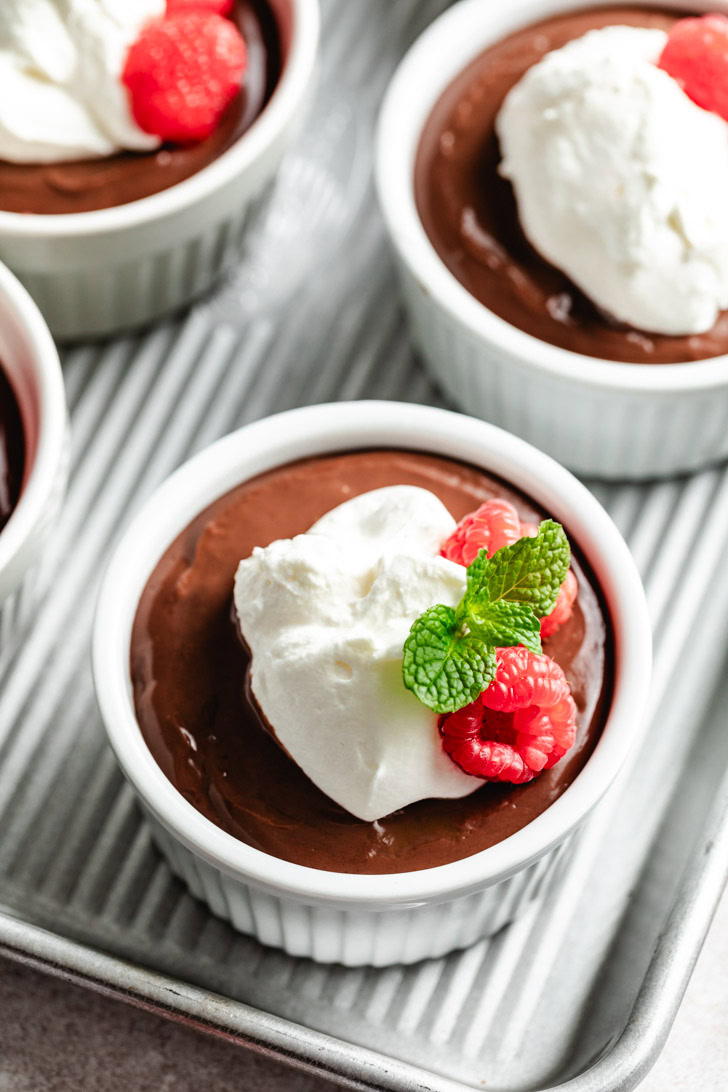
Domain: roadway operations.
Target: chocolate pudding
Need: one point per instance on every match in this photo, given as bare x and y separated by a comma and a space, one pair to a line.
469, 212
12, 450
189, 671
89, 184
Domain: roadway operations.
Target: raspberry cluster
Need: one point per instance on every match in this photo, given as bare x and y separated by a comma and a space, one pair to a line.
185, 69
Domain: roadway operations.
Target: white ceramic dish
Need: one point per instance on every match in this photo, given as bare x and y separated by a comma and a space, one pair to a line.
94, 273
599, 417
357, 919
29, 359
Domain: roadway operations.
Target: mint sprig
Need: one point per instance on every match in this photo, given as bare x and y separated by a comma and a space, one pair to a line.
449, 654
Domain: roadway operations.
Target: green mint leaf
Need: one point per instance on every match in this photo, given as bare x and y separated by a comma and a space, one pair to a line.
444, 667
502, 624
531, 571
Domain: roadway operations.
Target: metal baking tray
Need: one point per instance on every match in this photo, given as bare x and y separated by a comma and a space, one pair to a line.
580, 993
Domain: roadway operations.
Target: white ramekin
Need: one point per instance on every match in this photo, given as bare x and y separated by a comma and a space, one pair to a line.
29, 359
598, 417
330, 916
94, 273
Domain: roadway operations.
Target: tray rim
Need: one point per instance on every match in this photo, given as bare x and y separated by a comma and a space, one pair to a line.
619, 1069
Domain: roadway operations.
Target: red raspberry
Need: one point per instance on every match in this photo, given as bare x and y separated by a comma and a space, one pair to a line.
182, 73
524, 679
219, 7
483, 744
523, 723
696, 55
493, 525
563, 607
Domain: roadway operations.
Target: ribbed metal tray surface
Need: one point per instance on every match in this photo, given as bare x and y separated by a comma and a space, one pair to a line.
582, 988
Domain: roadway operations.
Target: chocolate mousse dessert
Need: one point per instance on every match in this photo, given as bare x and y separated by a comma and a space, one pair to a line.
572, 178
150, 97
288, 668
12, 450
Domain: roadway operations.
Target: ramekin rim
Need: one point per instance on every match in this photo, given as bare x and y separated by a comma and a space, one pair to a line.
349, 426
246, 150
398, 134
47, 379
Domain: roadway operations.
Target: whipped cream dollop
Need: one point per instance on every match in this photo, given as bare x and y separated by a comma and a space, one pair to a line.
325, 615
61, 95
621, 180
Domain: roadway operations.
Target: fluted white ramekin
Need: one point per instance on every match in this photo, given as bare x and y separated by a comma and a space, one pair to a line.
29, 359
598, 417
95, 273
337, 917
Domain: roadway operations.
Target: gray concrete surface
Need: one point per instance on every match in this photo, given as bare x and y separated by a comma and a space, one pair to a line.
55, 1037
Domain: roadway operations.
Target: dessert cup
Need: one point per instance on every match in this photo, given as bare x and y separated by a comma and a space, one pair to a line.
339, 917
29, 358
599, 417
94, 273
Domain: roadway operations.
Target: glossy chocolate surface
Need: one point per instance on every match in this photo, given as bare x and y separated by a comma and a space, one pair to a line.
85, 185
469, 212
188, 669
12, 450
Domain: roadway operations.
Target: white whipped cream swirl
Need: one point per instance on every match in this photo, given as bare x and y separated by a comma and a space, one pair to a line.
61, 95
326, 615
621, 180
